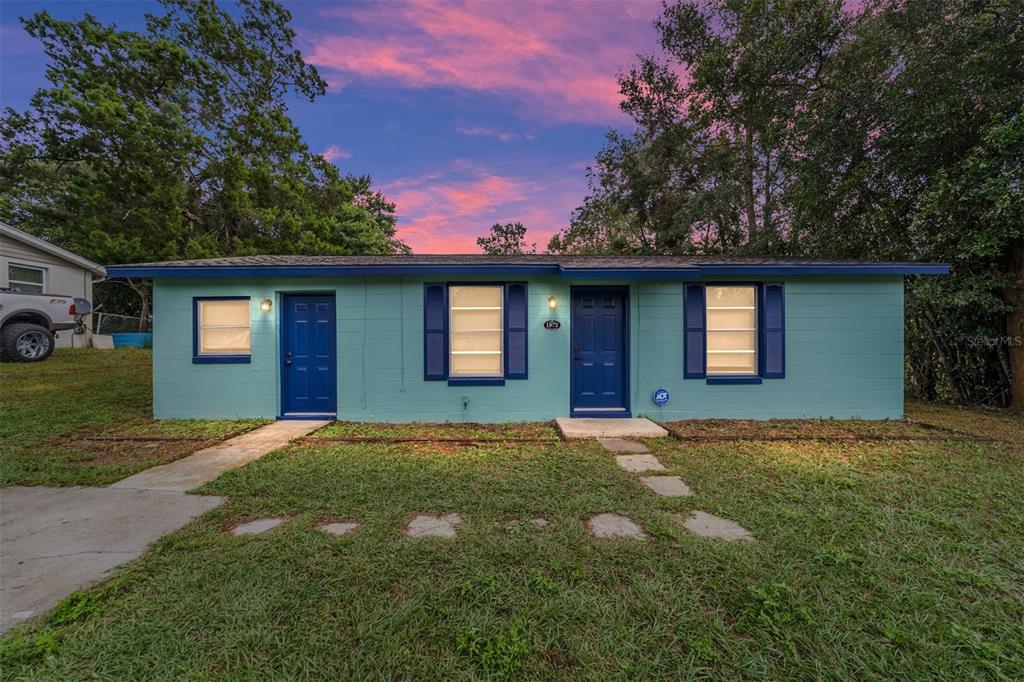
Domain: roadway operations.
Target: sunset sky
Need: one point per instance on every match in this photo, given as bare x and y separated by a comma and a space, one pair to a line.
465, 113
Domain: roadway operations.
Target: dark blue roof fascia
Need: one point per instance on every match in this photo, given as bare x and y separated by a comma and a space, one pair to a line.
194, 271
578, 274
867, 269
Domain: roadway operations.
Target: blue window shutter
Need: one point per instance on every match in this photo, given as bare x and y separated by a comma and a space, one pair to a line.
694, 337
435, 332
515, 331
773, 331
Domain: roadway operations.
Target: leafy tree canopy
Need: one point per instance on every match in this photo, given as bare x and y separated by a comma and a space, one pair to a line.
507, 239
893, 131
175, 142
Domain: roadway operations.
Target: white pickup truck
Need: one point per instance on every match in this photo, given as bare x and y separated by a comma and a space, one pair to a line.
28, 322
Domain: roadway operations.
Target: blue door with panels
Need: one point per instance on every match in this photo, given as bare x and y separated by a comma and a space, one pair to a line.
600, 352
309, 377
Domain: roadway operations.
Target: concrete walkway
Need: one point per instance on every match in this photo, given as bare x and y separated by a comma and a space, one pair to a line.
54, 541
205, 465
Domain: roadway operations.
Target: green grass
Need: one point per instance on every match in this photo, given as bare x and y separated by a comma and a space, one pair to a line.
51, 413
876, 559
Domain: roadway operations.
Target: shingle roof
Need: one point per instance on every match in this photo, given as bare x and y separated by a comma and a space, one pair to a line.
693, 266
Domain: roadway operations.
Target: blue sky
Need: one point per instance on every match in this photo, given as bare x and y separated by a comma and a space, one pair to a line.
464, 113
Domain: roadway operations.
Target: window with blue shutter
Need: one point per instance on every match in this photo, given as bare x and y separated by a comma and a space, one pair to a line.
435, 332
773, 331
734, 333
475, 333
693, 334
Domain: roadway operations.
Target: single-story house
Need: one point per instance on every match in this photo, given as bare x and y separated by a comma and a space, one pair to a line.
35, 265
439, 338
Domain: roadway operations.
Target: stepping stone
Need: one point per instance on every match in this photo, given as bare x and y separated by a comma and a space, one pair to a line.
427, 526
711, 526
639, 463
338, 529
257, 527
621, 445
611, 526
669, 486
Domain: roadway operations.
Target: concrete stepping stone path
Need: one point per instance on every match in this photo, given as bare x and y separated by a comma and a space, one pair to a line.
613, 526
637, 463
711, 526
338, 529
668, 486
621, 445
428, 526
257, 526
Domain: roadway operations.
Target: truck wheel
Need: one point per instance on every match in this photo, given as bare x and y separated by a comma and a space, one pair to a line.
25, 342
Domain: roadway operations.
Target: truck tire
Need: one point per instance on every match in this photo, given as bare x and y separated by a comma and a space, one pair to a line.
25, 342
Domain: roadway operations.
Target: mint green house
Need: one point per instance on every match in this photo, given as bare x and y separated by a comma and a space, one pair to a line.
514, 338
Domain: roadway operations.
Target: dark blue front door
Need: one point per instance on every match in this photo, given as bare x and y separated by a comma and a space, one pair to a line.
599, 352
309, 379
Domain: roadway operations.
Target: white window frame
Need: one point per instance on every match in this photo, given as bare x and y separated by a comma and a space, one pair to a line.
500, 330
756, 329
12, 282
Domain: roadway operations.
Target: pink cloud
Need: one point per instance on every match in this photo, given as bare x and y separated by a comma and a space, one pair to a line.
445, 211
555, 59
334, 152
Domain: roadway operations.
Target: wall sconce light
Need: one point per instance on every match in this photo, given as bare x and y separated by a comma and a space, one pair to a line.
265, 305
552, 302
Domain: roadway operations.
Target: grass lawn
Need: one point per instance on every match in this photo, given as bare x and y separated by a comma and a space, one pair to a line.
82, 417
881, 558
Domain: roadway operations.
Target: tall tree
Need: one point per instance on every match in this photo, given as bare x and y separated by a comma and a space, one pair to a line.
914, 150
893, 131
702, 171
176, 142
505, 239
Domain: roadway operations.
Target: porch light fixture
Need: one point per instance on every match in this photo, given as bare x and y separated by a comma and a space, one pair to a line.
265, 305
552, 302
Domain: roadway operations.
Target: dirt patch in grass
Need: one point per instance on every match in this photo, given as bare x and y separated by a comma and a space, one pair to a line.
81, 452
153, 430
808, 429
143, 441
437, 432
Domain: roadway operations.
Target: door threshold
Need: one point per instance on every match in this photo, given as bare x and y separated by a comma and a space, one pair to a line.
601, 413
309, 415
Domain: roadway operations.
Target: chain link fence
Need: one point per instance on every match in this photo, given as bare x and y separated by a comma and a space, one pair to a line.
111, 323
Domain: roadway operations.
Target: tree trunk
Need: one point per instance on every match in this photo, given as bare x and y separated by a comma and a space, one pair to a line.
951, 379
144, 309
748, 185
1015, 325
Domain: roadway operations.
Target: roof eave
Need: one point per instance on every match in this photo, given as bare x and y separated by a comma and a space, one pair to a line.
575, 274
819, 269
53, 250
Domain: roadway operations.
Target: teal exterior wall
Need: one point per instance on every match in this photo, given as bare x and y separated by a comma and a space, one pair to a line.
844, 354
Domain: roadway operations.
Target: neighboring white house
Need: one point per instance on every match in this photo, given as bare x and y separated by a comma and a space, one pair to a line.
31, 264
